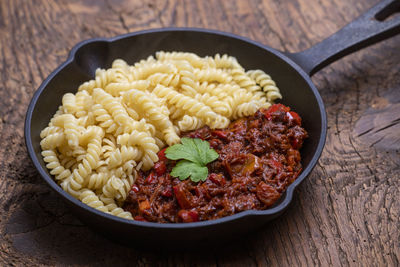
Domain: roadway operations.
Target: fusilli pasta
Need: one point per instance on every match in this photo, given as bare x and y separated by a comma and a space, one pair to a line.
116, 123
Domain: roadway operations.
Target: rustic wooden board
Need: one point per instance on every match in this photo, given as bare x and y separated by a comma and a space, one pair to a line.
345, 213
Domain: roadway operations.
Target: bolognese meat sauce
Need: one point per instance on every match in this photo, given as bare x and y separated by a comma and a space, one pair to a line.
258, 159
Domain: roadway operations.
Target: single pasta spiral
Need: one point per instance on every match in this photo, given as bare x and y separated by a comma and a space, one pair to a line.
113, 106
193, 59
145, 71
226, 62
154, 114
52, 141
110, 189
72, 129
90, 198
69, 103
267, 84
190, 105
188, 123
143, 140
122, 155
164, 79
216, 105
189, 84
115, 89
102, 78
88, 164
212, 75
246, 109
50, 130
53, 164
116, 211
97, 179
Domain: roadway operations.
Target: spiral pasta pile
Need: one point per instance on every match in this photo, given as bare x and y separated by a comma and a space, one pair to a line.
116, 123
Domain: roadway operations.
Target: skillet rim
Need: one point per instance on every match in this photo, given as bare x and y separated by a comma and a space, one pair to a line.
277, 210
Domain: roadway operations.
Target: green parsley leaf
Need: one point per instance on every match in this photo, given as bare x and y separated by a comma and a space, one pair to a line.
185, 168
195, 154
186, 150
192, 149
206, 154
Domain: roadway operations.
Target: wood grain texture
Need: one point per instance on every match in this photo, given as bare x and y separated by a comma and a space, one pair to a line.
345, 214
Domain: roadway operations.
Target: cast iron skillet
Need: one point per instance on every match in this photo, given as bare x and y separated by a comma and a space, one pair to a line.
290, 71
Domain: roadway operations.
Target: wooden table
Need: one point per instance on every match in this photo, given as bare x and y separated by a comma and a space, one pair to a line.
345, 213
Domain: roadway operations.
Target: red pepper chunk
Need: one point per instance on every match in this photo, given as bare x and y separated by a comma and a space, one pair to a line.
220, 134
217, 179
188, 216
167, 192
161, 155
181, 197
274, 108
151, 179
135, 188
294, 117
160, 168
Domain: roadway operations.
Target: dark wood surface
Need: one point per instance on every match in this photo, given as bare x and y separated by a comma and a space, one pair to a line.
345, 213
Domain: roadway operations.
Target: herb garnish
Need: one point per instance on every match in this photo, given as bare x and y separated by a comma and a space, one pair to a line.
194, 155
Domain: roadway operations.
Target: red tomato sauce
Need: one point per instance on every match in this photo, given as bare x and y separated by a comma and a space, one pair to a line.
258, 159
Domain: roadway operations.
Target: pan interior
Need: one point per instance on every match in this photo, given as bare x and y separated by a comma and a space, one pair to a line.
295, 86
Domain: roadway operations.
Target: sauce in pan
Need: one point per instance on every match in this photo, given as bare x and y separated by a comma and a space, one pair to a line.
258, 159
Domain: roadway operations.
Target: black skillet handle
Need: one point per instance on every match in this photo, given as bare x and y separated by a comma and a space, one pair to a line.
373, 26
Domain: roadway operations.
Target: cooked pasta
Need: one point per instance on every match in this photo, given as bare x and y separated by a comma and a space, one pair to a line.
189, 123
115, 124
53, 164
267, 84
89, 198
